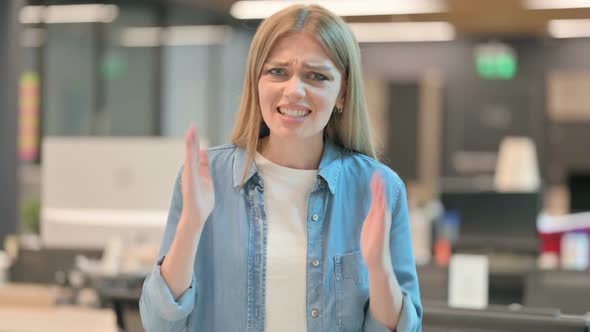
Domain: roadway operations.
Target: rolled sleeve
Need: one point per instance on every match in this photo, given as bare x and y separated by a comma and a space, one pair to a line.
159, 310
403, 263
408, 320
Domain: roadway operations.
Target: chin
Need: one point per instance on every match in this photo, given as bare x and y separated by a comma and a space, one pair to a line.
290, 134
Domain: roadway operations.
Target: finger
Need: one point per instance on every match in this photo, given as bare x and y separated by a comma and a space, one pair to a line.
196, 146
188, 148
204, 170
380, 189
374, 190
381, 198
374, 209
377, 190
204, 162
374, 182
385, 198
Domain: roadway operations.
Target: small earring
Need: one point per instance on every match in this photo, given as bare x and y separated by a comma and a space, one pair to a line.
338, 110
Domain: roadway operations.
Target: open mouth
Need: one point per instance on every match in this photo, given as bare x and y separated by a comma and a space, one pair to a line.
293, 113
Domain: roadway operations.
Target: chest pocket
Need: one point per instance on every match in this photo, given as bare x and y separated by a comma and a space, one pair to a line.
352, 291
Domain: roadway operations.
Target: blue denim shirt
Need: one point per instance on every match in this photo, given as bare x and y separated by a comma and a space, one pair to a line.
228, 287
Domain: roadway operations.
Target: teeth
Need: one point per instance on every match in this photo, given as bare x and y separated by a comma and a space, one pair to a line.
293, 113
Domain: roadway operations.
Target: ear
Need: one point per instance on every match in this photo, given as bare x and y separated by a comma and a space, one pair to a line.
342, 95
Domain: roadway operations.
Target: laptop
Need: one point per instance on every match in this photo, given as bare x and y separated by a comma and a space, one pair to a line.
496, 222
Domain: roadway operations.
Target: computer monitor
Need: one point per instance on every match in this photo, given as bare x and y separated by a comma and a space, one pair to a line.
94, 189
494, 221
579, 187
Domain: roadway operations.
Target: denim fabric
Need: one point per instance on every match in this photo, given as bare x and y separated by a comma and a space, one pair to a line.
228, 287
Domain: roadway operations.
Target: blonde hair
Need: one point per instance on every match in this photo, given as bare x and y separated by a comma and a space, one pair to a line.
348, 129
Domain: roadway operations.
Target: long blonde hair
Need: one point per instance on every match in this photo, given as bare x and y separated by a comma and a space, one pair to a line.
348, 129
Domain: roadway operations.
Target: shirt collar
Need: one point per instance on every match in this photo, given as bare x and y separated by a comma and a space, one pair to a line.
330, 164
240, 158
329, 170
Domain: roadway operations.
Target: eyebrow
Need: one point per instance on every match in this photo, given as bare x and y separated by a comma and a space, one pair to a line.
310, 66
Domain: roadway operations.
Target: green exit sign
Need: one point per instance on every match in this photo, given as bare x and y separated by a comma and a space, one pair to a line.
495, 61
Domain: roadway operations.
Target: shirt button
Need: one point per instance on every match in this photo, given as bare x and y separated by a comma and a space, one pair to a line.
315, 262
315, 313
315, 217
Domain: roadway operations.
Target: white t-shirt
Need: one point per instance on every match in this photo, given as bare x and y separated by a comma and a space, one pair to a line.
286, 193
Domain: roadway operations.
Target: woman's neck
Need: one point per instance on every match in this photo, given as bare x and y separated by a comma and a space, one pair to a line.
300, 154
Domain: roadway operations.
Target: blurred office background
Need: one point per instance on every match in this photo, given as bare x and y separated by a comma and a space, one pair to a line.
482, 107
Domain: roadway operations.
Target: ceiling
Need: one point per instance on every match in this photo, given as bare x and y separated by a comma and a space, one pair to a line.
470, 17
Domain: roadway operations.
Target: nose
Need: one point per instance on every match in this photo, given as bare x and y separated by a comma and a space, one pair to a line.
294, 88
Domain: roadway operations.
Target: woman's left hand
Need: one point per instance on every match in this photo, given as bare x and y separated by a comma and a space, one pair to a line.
384, 290
375, 232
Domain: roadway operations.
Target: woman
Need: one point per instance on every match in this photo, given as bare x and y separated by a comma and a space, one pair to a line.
295, 226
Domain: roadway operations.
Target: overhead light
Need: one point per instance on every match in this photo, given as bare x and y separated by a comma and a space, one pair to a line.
196, 35
141, 37
555, 4
575, 28
402, 32
174, 36
69, 14
260, 9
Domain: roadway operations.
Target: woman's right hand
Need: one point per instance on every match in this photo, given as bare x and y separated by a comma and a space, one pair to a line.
198, 195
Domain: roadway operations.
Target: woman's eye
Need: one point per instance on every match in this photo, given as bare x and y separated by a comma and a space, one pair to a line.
318, 76
276, 71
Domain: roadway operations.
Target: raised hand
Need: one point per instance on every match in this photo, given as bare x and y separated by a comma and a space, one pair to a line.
375, 232
198, 195
384, 289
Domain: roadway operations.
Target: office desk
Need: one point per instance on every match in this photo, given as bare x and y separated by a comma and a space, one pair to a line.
567, 290
32, 308
27, 295
441, 318
506, 280
56, 319
122, 293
